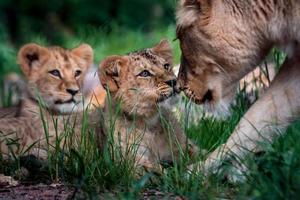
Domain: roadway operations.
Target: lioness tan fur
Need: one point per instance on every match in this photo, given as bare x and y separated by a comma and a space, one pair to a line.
221, 41
54, 77
137, 83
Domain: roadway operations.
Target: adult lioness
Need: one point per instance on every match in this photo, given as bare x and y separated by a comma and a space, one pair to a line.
221, 41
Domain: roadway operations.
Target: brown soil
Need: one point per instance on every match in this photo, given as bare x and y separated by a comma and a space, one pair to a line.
40, 191
11, 189
62, 192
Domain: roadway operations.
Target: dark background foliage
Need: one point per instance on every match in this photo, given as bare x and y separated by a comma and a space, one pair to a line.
57, 19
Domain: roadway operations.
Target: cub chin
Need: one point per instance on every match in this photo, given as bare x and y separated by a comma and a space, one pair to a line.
54, 97
137, 83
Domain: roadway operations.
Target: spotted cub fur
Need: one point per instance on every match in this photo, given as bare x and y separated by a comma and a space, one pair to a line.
137, 84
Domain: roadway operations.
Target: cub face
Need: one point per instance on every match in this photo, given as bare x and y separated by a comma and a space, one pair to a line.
56, 74
141, 79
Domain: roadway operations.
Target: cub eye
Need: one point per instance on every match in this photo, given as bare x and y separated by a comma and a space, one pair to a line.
55, 73
167, 66
145, 73
77, 73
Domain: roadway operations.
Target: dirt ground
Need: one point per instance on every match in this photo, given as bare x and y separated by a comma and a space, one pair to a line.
61, 192
11, 189
41, 191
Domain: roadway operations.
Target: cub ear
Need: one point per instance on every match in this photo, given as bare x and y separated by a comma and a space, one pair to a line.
109, 71
85, 52
164, 50
31, 56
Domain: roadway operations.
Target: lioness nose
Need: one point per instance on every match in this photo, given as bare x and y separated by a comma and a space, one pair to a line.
208, 96
72, 91
171, 83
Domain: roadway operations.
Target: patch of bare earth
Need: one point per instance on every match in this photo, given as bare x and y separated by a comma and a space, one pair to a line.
39, 191
11, 189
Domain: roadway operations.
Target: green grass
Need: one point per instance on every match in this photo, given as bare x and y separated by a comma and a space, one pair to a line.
274, 174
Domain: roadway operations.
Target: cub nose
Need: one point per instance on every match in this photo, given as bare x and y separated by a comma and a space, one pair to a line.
171, 83
72, 91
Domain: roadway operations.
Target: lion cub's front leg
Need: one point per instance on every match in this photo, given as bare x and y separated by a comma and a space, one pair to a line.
136, 144
17, 135
146, 159
181, 140
278, 106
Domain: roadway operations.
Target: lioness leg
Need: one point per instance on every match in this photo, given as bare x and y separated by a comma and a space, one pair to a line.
278, 106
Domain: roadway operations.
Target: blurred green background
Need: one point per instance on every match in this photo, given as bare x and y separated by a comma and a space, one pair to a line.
111, 27
121, 26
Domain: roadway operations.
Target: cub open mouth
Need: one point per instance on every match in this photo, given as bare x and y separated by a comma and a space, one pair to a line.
72, 100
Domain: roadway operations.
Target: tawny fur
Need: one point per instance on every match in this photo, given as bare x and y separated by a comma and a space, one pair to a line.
139, 127
236, 37
47, 98
93, 93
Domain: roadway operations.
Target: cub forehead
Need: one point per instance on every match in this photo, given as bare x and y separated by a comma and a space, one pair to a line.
146, 58
63, 59
60, 53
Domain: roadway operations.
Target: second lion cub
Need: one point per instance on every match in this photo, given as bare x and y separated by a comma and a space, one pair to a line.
137, 83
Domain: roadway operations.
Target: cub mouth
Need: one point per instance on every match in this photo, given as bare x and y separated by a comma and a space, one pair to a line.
59, 102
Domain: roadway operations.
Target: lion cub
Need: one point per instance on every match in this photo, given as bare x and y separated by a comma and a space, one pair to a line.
54, 78
138, 83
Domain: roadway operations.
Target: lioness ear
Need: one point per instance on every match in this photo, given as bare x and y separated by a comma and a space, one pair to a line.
191, 10
164, 50
31, 56
85, 52
109, 71
195, 2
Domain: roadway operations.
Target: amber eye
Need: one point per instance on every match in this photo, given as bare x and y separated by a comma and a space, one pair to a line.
145, 73
55, 73
167, 66
77, 73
